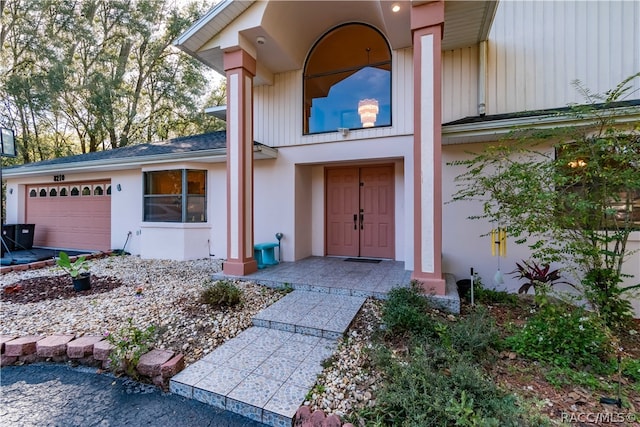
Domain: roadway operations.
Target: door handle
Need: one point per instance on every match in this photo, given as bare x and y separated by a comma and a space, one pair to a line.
361, 221
355, 221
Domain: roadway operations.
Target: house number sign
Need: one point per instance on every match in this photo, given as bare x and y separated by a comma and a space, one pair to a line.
58, 178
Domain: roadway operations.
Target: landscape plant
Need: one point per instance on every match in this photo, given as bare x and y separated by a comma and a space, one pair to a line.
432, 371
564, 336
540, 278
130, 342
406, 312
221, 293
568, 193
73, 268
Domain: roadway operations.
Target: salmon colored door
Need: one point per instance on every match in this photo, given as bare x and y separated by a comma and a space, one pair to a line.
360, 211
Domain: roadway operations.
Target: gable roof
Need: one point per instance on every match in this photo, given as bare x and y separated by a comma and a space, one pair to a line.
208, 147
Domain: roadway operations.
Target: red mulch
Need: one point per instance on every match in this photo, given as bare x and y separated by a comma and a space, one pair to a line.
54, 287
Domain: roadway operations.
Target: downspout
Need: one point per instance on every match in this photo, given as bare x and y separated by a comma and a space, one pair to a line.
482, 78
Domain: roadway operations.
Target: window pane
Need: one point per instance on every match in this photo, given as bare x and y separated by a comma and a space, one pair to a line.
163, 182
196, 182
196, 209
350, 64
163, 208
340, 108
164, 196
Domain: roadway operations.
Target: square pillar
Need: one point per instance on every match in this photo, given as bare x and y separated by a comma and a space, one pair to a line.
427, 21
240, 69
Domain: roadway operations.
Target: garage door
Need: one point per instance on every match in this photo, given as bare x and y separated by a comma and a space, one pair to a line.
71, 216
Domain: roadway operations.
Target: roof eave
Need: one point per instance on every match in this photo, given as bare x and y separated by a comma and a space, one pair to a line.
217, 155
469, 133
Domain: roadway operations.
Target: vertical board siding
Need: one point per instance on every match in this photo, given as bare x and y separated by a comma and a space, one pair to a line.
537, 49
278, 108
459, 83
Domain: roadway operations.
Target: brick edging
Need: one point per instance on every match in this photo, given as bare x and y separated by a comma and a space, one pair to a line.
50, 262
156, 365
305, 418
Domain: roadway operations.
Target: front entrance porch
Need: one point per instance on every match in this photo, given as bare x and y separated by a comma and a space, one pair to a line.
335, 275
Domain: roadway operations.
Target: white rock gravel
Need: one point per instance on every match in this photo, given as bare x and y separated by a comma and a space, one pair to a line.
349, 381
170, 291
169, 301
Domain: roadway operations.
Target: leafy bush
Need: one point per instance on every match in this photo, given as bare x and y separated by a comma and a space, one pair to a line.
631, 369
475, 333
440, 387
130, 342
406, 312
538, 277
222, 293
483, 295
563, 335
601, 287
489, 296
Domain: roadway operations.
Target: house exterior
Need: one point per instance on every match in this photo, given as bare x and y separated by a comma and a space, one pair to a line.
341, 120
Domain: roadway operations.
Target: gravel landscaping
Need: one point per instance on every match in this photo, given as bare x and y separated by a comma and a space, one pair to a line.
150, 292
166, 294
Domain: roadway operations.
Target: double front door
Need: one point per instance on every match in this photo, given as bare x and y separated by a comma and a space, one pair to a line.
360, 211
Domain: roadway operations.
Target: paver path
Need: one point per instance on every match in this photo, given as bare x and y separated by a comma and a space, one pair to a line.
267, 370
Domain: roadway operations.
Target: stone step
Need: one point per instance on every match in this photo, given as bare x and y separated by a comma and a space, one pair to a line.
311, 313
266, 371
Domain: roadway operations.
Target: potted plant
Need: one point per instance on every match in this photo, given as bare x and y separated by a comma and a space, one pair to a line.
78, 270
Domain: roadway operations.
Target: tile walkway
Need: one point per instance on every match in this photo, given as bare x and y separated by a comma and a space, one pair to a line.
267, 370
333, 275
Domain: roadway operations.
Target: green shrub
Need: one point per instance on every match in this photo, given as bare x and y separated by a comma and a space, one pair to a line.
475, 333
130, 342
222, 293
406, 311
602, 289
563, 335
435, 386
489, 296
631, 369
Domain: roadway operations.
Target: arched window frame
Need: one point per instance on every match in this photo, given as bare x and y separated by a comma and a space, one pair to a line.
387, 62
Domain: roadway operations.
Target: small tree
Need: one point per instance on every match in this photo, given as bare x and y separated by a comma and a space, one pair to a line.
568, 193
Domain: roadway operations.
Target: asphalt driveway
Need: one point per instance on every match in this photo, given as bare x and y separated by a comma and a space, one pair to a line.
59, 395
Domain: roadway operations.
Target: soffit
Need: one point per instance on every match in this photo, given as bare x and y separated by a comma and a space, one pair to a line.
289, 29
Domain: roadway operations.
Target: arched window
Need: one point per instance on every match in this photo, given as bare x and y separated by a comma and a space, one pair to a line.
108, 190
53, 192
97, 191
86, 191
347, 81
75, 191
63, 192
43, 192
33, 193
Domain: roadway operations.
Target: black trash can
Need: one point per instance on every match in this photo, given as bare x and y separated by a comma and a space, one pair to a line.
24, 236
464, 286
8, 237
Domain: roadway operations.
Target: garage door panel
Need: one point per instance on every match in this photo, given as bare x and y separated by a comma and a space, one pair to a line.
75, 222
